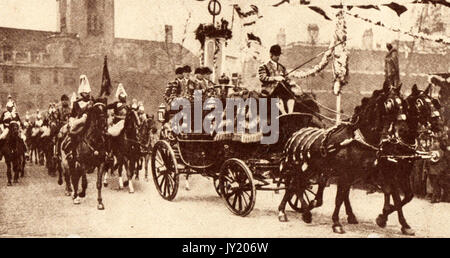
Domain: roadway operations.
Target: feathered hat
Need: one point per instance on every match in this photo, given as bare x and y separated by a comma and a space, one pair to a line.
120, 91
84, 85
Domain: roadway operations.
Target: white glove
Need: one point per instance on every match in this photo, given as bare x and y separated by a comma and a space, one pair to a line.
279, 78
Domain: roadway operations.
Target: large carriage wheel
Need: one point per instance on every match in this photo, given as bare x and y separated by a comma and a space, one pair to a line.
217, 185
237, 187
309, 196
164, 170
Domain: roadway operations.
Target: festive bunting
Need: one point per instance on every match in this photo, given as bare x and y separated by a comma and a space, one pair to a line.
434, 2
320, 11
399, 9
280, 3
437, 39
252, 37
340, 54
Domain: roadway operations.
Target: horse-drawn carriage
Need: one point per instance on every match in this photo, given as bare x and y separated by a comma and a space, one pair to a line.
238, 163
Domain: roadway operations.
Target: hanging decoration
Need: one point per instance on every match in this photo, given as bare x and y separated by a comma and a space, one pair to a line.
211, 31
216, 51
423, 36
340, 54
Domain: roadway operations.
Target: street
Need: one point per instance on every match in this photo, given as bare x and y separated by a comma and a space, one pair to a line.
37, 207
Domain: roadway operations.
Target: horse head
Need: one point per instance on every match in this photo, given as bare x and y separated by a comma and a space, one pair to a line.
423, 112
132, 124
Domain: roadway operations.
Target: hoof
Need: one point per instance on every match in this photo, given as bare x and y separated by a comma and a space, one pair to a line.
408, 231
100, 206
9, 184
82, 195
187, 188
307, 217
125, 184
105, 184
381, 221
60, 181
338, 229
16, 181
282, 218
68, 193
76, 201
352, 220
131, 191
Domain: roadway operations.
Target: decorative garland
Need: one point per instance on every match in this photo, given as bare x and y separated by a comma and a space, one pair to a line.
340, 54
420, 35
216, 51
317, 68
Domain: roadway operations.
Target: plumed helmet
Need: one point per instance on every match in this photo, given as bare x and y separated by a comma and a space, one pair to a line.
9, 104
120, 92
84, 87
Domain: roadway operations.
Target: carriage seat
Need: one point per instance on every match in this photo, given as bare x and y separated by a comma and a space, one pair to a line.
116, 129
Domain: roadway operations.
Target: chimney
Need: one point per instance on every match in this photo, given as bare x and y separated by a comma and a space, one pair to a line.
169, 34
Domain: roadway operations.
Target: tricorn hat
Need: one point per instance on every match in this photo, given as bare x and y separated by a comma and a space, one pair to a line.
187, 69
179, 70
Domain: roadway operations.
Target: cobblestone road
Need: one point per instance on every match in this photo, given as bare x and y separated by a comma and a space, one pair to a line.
37, 207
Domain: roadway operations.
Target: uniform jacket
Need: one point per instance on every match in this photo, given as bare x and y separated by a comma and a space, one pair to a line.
267, 72
63, 114
187, 87
7, 117
80, 107
120, 110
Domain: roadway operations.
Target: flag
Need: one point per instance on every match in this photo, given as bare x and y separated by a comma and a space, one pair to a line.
319, 11
248, 17
280, 3
106, 81
399, 9
251, 36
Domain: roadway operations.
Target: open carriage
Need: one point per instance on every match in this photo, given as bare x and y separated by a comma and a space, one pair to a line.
239, 164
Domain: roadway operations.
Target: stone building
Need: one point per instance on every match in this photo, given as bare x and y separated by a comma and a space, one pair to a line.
39, 66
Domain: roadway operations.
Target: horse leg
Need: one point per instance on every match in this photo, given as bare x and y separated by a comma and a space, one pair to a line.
8, 171
290, 188
84, 184
187, 187
68, 191
100, 171
130, 167
340, 197
146, 159
75, 177
105, 176
387, 208
406, 229
319, 196
351, 218
120, 167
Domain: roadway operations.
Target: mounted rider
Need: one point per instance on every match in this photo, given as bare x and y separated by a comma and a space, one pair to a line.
271, 75
120, 111
63, 113
27, 122
141, 112
78, 116
9, 116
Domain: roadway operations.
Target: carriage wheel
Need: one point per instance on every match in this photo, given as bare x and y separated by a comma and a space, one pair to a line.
237, 187
309, 196
217, 186
164, 170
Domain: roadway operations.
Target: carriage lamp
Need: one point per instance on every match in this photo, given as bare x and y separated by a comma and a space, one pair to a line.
161, 113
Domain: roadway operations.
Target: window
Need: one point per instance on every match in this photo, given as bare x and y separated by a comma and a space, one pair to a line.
55, 77
94, 22
35, 78
21, 57
35, 58
7, 53
8, 76
68, 54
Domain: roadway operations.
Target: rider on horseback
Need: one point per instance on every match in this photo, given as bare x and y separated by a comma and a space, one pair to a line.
78, 115
120, 111
7, 117
63, 114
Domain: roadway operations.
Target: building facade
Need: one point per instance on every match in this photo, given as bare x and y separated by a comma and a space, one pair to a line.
37, 67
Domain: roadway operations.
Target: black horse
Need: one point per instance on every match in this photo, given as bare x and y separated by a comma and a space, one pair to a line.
423, 118
90, 152
147, 133
13, 151
126, 148
347, 151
